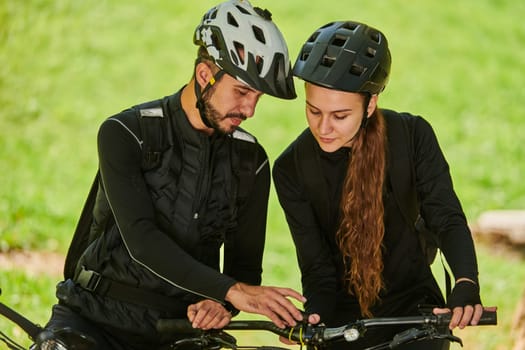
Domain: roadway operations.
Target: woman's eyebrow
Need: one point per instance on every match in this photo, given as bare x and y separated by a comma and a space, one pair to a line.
336, 111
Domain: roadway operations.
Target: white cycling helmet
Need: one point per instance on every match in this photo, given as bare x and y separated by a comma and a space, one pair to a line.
245, 43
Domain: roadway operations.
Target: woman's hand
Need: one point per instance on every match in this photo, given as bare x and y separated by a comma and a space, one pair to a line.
208, 314
462, 316
465, 304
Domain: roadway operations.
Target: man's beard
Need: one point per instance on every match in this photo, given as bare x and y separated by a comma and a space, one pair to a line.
214, 117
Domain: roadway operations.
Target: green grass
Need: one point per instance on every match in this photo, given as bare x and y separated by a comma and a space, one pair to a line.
31, 295
67, 65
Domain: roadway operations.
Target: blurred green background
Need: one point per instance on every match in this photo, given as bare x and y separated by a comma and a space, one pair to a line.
65, 66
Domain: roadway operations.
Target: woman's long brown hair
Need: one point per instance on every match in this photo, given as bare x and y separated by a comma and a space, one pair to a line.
361, 231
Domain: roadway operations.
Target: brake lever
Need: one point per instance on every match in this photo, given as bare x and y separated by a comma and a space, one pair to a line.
224, 339
209, 340
410, 334
450, 337
414, 334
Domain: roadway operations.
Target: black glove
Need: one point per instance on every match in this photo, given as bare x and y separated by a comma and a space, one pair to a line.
464, 293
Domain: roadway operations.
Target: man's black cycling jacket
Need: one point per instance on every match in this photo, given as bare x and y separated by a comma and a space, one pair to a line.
138, 239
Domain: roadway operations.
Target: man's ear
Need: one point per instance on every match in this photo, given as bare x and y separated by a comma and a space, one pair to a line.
372, 105
203, 74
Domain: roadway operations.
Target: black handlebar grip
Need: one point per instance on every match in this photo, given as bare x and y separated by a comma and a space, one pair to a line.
488, 318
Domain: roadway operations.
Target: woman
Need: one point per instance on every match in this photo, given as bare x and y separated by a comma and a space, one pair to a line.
345, 188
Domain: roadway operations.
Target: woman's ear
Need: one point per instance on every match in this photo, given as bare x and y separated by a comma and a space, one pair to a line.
372, 105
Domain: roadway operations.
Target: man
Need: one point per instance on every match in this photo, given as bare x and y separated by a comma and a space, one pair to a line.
160, 218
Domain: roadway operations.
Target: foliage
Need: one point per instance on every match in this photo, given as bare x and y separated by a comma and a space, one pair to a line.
29, 294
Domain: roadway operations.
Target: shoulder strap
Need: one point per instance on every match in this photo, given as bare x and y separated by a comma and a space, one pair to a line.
401, 158
245, 167
80, 240
153, 129
400, 148
309, 166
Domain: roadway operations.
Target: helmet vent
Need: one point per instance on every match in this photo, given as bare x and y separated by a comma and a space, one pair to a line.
370, 52
267, 15
339, 40
212, 14
357, 70
327, 61
234, 58
260, 64
239, 48
304, 56
259, 34
375, 36
350, 26
313, 37
232, 21
242, 9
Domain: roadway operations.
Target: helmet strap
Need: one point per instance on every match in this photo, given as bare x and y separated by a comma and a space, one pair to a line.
364, 121
200, 101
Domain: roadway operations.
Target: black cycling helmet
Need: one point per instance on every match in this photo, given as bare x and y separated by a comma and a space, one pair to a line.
245, 43
347, 56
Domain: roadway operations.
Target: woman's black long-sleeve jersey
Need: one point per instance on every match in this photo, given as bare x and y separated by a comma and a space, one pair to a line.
407, 276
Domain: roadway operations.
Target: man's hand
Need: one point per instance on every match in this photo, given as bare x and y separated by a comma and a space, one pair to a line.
208, 314
271, 302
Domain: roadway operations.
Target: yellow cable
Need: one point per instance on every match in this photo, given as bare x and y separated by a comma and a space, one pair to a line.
290, 334
301, 336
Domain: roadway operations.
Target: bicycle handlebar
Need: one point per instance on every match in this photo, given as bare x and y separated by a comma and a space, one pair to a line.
303, 333
29, 327
317, 334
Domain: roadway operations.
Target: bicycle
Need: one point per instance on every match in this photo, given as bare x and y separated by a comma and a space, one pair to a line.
306, 335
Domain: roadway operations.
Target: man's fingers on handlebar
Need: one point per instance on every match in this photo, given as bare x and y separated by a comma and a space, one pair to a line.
208, 314
279, 320
288, 305
213, 320
271, 302
282, 299
283, 313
